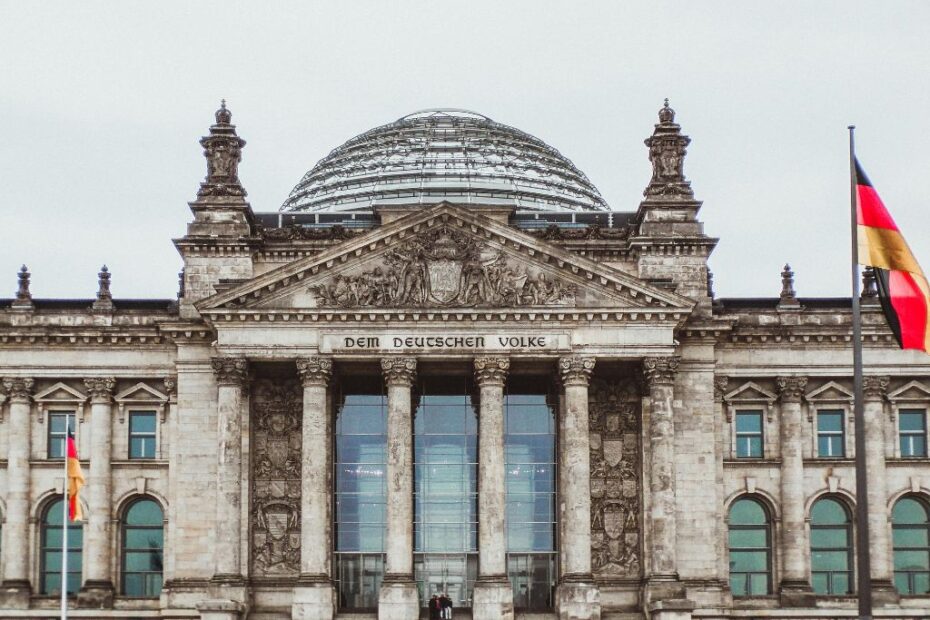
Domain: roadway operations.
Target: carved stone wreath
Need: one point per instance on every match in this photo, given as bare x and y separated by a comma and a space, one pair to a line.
444, 268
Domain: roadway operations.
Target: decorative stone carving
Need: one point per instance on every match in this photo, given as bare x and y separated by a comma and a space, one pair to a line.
576, 370
441, 268
18, 388
295, 232
223, 150
788, 295
23, 299
315, 370
667, 148
399, 370
868, 284
100, 388
720, 387
616, 533
791, 389
230, 370
171, 385
491, 370
660, 370
277, 411
554, 232
875, 387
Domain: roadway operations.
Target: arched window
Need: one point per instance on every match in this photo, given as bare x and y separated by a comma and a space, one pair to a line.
831, 547
143, 544
911, 535
750, 544
51, 542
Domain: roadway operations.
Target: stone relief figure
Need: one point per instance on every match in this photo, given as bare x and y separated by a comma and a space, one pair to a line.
444, 268
277, 409
613, 412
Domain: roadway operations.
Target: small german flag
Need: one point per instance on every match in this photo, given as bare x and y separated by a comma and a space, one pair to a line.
75, 480
902, 286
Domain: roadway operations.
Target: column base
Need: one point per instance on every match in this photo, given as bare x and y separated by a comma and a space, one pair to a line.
96, 594
492, 599
216, 609
15, 593
662, 588
398, 598
314, 598
577, 597
796, 593
884, 594
671, 609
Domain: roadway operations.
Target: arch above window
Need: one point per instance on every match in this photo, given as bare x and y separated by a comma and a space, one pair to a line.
142, 549
910, 524
750, 547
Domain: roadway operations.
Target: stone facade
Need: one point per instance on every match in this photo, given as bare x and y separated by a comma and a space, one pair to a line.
649, 375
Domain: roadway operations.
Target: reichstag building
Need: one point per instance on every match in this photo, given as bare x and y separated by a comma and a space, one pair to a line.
445, 365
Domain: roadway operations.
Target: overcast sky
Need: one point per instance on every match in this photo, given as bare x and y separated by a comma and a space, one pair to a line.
102, 104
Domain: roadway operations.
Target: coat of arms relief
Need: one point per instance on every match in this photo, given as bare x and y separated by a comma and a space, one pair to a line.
614, 418
277, 409
444, 268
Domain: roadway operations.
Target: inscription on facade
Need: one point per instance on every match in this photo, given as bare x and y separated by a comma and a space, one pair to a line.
444, 342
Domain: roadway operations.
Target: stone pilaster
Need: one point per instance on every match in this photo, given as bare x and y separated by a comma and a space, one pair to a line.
97, 590
16, 588
577, 595
398, 598
314, 595
795, 589
493, 594
231, 378
874, 390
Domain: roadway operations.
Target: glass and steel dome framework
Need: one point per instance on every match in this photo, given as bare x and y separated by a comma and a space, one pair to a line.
436, 155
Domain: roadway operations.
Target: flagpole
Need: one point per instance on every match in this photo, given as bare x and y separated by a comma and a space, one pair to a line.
863, 564
64, 528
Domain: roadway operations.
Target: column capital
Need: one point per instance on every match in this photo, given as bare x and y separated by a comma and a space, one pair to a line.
100, 388
875, 387
791, 388
18, 388
230, 370
491, 370
399, 370
576, 369
660, 370
314, 370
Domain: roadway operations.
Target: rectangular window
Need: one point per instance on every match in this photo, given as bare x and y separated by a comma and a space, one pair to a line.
912, 429
57, 433
749, 434
142, 434
831, 438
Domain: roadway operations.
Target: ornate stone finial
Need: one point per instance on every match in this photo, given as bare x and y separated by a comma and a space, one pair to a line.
181, 284
314, 370
104, 301
230, 370
791, 388
18, 388
875, 387
491, 370
667, 148
23, 296
399, 370
576, 369
787, 297
100, 388
660, 370
869, 290
710, 283
720, 387
223, 150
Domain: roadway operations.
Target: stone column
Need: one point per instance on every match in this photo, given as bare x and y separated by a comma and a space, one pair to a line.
659, 375
231, 378
795, 584
577, 596
874, 390
97, 590
398, 598
493, 594
314, 595
15, 589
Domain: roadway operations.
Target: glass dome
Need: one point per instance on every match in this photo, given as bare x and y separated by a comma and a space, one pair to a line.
435, 155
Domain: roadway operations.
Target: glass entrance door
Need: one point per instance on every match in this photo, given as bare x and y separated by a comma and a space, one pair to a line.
446, 490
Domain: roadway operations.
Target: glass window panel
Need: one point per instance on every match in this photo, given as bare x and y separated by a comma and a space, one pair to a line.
751, 538
357, 420
138, 538
819, 583
830, 421
738, 585
921, 583
133, 584
142, 422
144, 512
825, 538
830, 560
910, 537
912, 560
759, 584
748, 422
912, 420
828, 511
840, 583
901, 583
747, 512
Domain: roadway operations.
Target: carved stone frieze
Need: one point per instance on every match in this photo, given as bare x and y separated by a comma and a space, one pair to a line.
554, 232
314, 370
491, 370
441, 268
230, 370
790, 388
575, 369
18, 388
399, 370
296, 232
875, 387
660, 370
277, 412
615, 452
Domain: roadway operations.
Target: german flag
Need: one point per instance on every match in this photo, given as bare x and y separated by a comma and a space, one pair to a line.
75, 480
902, 286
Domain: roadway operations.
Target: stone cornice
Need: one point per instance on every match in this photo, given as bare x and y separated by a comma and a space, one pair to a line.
491, 370
314, 371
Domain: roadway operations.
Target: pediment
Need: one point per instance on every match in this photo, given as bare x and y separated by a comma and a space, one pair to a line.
911, 391
830, 391
445, 259
140, 392
59, 393
750, 392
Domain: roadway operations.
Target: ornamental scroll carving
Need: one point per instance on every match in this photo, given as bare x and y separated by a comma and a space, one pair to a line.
277, 411
614, 422
443, 268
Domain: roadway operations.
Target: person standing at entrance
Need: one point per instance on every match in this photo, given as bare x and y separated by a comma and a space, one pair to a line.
445, 603
434, 608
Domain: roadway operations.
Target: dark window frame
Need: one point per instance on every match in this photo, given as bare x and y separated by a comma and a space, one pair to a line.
909, 435
832, 435
125, 550
897, 527
749, 435
44, 549
153, 435
768, 549
58, 437
849, 549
